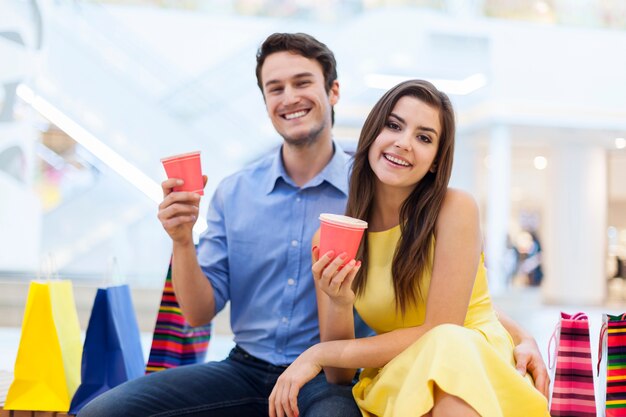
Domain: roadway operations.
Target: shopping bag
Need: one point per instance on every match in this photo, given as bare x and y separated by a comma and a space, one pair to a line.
112, 352
175, 342
612, 347
47, 368
573, 392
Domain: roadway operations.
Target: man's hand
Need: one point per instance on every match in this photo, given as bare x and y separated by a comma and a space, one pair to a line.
528, 359
178, 211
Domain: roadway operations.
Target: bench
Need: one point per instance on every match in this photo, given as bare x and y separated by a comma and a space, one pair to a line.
20, 413
5, 382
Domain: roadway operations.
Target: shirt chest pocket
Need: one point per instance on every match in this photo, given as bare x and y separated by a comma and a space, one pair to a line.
243, 255
254, 259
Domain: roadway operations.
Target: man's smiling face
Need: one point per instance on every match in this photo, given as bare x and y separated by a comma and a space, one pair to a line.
296, 99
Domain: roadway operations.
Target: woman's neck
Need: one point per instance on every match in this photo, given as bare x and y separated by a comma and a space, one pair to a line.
386, 208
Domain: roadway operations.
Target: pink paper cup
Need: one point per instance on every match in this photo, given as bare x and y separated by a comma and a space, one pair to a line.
187, 168
341, 234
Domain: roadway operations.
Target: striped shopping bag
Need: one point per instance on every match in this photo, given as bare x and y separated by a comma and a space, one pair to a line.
175, 342
612, 346
573, 393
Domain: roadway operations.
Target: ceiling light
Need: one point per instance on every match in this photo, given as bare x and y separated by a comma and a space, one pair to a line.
620, 143
455, 87
99, 149
540, 162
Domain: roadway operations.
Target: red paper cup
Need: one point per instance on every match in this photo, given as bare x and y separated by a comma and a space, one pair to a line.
341, 234
187, 168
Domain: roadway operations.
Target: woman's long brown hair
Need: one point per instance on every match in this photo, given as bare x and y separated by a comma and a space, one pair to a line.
419, 212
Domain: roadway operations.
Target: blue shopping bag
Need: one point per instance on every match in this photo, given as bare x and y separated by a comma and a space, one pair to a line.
112, 351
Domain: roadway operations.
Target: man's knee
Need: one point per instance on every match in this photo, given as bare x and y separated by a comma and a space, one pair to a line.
333, 406
321, 399
102, 406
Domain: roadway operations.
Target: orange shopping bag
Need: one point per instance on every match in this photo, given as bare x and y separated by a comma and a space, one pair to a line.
47, 368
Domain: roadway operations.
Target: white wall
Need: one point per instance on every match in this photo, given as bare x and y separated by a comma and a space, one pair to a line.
20, 226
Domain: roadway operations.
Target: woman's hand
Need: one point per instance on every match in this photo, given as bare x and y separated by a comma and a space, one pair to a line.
283, 400
334, 280
528, 359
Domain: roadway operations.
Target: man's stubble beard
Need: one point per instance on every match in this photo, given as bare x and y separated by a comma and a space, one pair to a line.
310, 139
304, 142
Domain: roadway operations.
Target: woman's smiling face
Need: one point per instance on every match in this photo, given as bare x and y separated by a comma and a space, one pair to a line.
405, 149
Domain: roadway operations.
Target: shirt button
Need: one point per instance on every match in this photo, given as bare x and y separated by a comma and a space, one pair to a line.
294, 243
298, 199
285, 320
280, 351
291, 281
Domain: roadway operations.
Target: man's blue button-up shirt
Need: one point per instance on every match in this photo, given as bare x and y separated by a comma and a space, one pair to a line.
256, 253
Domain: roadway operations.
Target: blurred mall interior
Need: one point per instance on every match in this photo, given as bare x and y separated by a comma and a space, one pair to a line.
94, 93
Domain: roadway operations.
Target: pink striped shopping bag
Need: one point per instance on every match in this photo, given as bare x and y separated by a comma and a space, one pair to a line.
573, 392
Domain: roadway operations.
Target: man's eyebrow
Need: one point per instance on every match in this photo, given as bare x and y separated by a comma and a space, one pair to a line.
299, 75
303, 74
426, 128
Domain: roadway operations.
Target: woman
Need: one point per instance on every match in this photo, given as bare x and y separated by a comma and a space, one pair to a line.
440, 349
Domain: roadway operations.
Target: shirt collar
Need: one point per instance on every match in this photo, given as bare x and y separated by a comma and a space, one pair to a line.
335, 172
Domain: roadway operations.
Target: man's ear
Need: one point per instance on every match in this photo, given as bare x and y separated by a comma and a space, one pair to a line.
333, 93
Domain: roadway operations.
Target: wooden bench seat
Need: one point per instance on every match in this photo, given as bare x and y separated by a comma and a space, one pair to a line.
5, 382
20, 413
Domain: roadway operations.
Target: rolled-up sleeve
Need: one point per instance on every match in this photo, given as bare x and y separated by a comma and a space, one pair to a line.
213, 250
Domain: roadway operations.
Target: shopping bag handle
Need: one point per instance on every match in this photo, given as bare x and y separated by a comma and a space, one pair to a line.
578, 316
113, 275
557, 328
603, 331
52, 272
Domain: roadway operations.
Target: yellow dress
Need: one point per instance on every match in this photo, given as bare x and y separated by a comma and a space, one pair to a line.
474, 362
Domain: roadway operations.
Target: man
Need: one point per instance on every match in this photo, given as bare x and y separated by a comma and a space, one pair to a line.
256, 254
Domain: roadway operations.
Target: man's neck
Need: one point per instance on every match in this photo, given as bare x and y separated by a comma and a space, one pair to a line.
303, 163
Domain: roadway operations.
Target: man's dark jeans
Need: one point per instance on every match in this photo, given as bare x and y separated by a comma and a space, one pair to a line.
238, 386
